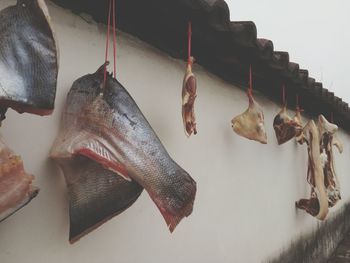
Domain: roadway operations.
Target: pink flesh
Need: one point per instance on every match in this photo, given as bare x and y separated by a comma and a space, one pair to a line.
15, 184
116, 167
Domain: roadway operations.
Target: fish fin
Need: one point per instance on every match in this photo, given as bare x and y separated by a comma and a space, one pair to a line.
95, 195
173, 215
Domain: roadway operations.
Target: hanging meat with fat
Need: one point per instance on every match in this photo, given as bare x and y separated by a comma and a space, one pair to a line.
250, 124
317, 204
189, 95
285, 127
327, 132
16, 188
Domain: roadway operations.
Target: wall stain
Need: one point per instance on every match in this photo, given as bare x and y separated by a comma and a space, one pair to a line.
318, 246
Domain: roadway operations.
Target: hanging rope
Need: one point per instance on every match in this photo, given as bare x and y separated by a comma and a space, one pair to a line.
297, 104
250, 89
189, 42
111, 12
284, 95
107, 43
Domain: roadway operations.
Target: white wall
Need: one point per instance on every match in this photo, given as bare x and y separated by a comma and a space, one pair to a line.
244, 209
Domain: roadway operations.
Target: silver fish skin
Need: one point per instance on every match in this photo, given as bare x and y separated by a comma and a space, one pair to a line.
28, 59
95, 195
113, 132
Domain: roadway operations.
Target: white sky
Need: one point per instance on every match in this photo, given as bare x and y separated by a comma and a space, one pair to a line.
315, 33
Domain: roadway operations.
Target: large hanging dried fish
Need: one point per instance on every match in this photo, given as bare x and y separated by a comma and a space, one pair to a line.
16, 188
112, 131
28, 59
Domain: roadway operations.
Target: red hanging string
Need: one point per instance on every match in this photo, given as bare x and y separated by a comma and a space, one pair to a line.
189, 42
107, 43
114, 41
297, 102
250, 89
284, 95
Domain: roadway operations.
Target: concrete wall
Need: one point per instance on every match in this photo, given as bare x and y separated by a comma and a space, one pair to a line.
244, 210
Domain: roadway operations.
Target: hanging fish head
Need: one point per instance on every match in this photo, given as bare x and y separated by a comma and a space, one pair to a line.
112, 131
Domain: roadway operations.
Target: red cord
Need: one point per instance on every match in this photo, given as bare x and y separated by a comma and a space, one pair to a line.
114, 41
297, 102
284, 95
189, 42
250, 89
107, 43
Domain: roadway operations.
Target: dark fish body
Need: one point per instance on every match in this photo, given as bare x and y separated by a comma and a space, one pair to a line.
95, 194
112, 131
28, 58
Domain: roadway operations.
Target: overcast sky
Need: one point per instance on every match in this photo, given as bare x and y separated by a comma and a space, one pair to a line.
315, 33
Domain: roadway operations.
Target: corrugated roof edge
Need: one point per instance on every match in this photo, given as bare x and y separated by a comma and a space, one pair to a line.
223, 47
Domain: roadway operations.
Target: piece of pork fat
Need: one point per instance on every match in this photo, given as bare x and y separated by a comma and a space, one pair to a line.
317, 204
28, 59
95, 194
16, 188
285, 127
250, 124
189, 95
327, 131
112, 131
